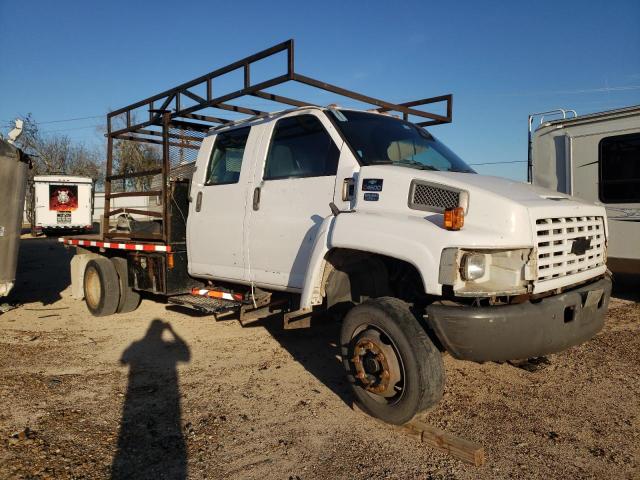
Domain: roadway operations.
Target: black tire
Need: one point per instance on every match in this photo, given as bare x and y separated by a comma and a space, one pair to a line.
386, 325
129, 299
101, 287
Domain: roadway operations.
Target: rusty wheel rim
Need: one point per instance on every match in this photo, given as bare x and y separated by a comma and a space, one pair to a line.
378, 366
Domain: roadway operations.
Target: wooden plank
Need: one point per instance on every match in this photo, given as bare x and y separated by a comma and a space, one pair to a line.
460, 448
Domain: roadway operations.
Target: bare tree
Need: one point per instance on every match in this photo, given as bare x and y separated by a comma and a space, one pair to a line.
55, 153
130, 157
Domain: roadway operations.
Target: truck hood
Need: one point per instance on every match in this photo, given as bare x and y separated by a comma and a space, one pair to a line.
499, 210
489, 187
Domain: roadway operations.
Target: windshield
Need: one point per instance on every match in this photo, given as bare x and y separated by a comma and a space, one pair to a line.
380, 139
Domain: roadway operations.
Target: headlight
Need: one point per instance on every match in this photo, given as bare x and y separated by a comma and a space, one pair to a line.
473, 266
487, 272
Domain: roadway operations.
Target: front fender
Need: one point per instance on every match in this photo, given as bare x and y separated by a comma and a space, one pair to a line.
400, 237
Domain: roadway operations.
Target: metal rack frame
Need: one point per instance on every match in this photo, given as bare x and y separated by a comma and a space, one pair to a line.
167, 110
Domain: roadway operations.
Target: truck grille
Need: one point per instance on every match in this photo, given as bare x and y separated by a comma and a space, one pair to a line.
568, 245
429, 197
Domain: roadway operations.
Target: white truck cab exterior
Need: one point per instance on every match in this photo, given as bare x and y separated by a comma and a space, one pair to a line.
273, 228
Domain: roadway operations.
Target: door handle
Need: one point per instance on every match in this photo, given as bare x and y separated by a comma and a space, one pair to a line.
256, 198
348, 189
198, 201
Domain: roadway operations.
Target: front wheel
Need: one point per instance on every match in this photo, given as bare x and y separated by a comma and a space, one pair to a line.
394, 369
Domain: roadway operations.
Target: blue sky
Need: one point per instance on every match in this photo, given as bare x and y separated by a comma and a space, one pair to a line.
501, 60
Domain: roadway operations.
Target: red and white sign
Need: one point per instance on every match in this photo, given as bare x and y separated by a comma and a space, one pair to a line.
63, 198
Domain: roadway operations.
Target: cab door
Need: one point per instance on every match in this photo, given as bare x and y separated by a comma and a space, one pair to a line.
219, 189
294, 182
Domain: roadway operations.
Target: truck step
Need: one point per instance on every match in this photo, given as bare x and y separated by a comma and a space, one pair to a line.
263, 306
205, 304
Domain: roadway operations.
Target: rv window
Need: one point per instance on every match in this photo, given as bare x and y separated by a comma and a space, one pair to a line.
620, 169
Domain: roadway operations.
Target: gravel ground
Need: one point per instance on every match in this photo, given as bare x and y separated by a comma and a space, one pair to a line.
178, 395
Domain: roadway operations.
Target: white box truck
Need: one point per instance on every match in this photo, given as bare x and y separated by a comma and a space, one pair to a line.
361, 213
62, 203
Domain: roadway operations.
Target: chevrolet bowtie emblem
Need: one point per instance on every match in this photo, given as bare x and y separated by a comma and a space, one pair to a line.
580, 245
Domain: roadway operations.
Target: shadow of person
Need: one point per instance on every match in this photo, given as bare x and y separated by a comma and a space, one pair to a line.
151, 443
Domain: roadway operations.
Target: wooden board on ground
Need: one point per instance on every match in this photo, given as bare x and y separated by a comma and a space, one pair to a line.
460, 448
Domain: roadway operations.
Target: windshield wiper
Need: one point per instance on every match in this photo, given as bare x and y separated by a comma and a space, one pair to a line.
414, 163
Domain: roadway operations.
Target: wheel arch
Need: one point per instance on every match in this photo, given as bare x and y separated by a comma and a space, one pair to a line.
348, 231
364, 274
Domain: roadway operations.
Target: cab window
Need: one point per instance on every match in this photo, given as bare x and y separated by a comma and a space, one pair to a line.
301, 147
226, 157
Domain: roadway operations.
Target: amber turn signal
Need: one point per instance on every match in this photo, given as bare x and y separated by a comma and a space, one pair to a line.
454, 218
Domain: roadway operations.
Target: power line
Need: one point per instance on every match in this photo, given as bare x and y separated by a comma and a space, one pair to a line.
64, 120
72, 119
498, 163
72, 128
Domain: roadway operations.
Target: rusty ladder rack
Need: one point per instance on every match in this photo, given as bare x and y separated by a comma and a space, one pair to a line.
168, 110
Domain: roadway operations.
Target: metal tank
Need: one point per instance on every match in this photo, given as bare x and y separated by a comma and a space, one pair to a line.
14, 165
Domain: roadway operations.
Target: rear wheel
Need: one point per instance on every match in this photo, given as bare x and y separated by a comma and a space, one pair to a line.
394, 369
129, 299
101, 287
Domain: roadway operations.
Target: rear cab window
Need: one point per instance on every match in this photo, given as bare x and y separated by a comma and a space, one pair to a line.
301, 147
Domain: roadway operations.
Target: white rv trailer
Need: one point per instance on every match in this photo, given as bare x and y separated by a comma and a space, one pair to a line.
595, 157
63, 203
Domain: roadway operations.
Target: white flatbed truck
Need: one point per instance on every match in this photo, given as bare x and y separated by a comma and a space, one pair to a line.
359, 212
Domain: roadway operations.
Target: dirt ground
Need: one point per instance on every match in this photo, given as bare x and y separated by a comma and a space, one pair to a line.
178, 395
